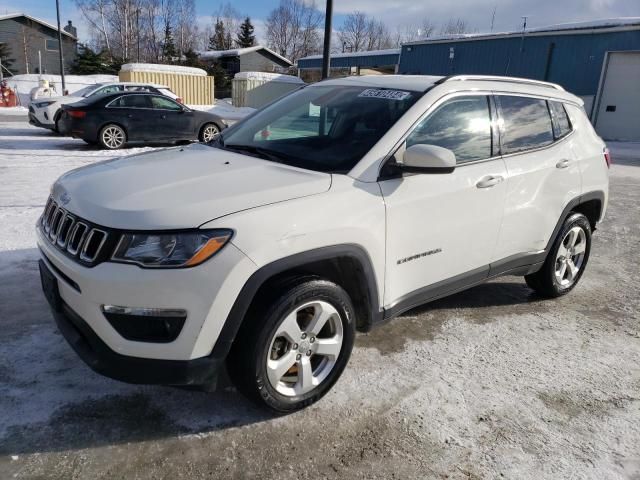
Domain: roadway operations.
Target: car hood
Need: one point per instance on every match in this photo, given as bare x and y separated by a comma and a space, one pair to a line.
180, 187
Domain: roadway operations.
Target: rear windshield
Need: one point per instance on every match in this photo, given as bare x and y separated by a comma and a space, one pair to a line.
322, 128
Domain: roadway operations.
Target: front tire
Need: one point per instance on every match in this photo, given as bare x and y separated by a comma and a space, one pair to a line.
112, 136
208, 132
566, 261
295, 347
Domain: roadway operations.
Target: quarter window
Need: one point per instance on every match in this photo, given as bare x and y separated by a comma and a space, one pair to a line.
527, 123
463, 125
562, 124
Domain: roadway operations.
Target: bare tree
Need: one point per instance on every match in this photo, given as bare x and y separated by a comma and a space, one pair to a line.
361, 32
293, 29
456, 26
413, 32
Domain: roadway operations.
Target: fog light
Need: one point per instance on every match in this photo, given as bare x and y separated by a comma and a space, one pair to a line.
139, 324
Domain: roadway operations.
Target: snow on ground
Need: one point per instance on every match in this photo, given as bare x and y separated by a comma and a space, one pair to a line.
490, 383
18, 111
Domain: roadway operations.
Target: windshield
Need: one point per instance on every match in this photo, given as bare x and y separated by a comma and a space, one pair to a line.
323, 128
83, 92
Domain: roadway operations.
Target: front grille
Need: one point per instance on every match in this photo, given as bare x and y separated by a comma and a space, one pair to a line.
77, 238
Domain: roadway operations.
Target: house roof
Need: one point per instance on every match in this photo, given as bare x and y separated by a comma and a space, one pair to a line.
595, 26
364, 53
236, 52
10, 16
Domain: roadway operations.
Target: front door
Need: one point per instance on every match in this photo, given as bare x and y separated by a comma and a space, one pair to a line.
171, 120
443, 226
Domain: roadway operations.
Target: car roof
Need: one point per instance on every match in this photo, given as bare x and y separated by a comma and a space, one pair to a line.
133, 84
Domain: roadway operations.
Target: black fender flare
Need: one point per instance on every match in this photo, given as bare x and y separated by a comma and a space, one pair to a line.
257, 279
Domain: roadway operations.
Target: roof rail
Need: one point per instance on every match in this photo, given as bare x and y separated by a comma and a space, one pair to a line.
492, 78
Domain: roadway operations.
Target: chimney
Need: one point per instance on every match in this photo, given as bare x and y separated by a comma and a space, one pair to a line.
71, 29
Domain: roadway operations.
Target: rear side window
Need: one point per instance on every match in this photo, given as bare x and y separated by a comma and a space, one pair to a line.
561, 124
462, 124
526, 123
132, 101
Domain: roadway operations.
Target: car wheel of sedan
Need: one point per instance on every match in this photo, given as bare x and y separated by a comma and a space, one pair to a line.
295, 345
208, 132
112, 137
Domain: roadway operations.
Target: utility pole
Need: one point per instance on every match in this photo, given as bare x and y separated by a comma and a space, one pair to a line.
326, 53
60, 47
524, 29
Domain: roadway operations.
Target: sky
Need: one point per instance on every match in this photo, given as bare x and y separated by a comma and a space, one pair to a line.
395, 13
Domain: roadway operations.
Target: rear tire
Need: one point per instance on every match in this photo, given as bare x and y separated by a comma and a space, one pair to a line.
112, 137
294, 346
566, 261
208, 132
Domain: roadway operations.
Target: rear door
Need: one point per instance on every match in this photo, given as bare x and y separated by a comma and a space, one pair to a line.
133, 112
543, 173
172, 119
443, 226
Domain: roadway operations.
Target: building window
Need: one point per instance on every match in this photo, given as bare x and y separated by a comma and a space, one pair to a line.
51, 45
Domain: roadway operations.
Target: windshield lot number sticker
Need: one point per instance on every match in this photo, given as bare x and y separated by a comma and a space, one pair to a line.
386, 94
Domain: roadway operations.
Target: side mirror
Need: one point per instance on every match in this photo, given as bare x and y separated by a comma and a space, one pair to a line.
422, 158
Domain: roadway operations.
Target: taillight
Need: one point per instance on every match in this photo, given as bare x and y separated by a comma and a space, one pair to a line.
607, 157
77, 113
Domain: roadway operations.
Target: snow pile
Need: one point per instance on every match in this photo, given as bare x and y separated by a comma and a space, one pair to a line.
267, 77
152, 67
228, 112
23, 84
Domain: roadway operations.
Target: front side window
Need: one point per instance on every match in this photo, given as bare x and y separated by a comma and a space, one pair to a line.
462, 124
526, 123
326, 128
561, 124
163, 103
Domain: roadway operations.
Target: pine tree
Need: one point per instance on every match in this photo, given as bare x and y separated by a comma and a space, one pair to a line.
245, 37
221, 38
89, 62
169, 51
7, 61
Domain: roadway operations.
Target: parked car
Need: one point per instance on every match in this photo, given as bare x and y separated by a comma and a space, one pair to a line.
45, 112
330, 211
116, 119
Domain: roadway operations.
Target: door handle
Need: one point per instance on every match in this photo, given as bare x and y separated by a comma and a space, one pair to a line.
564, 163
130, 116
163, 116
489, 181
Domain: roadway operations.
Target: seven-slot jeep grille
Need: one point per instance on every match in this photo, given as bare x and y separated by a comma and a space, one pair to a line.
72, 235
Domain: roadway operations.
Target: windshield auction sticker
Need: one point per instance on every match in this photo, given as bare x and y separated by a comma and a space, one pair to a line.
386, 94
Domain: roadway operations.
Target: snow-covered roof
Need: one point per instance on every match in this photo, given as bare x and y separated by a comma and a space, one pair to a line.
367, 53
152, 67
236, 52
267, 77
573, 27
9, 16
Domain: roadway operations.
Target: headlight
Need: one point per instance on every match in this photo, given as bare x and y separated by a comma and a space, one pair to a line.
44, 104
170, 250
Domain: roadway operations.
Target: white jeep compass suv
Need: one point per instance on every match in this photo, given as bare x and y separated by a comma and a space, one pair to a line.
333, 209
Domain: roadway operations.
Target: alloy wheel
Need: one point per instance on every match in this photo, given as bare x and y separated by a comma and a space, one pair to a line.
305, 348
113, 137
570, 256
209, 133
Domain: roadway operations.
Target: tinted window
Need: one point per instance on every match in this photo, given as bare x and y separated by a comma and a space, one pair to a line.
527, 124
562, 124
132, 101
163, 103
463, 125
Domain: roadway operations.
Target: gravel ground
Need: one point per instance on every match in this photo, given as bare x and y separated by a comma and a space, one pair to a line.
490, 383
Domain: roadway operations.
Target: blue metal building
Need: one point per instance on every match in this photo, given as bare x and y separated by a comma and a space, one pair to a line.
373, 59
571, 55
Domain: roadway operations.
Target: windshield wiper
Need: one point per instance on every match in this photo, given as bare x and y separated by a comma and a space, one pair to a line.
260, 151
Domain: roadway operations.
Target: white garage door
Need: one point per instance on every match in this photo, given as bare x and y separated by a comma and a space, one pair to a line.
619, 106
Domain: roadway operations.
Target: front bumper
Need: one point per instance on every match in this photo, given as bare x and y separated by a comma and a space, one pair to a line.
33, 120
97, 355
